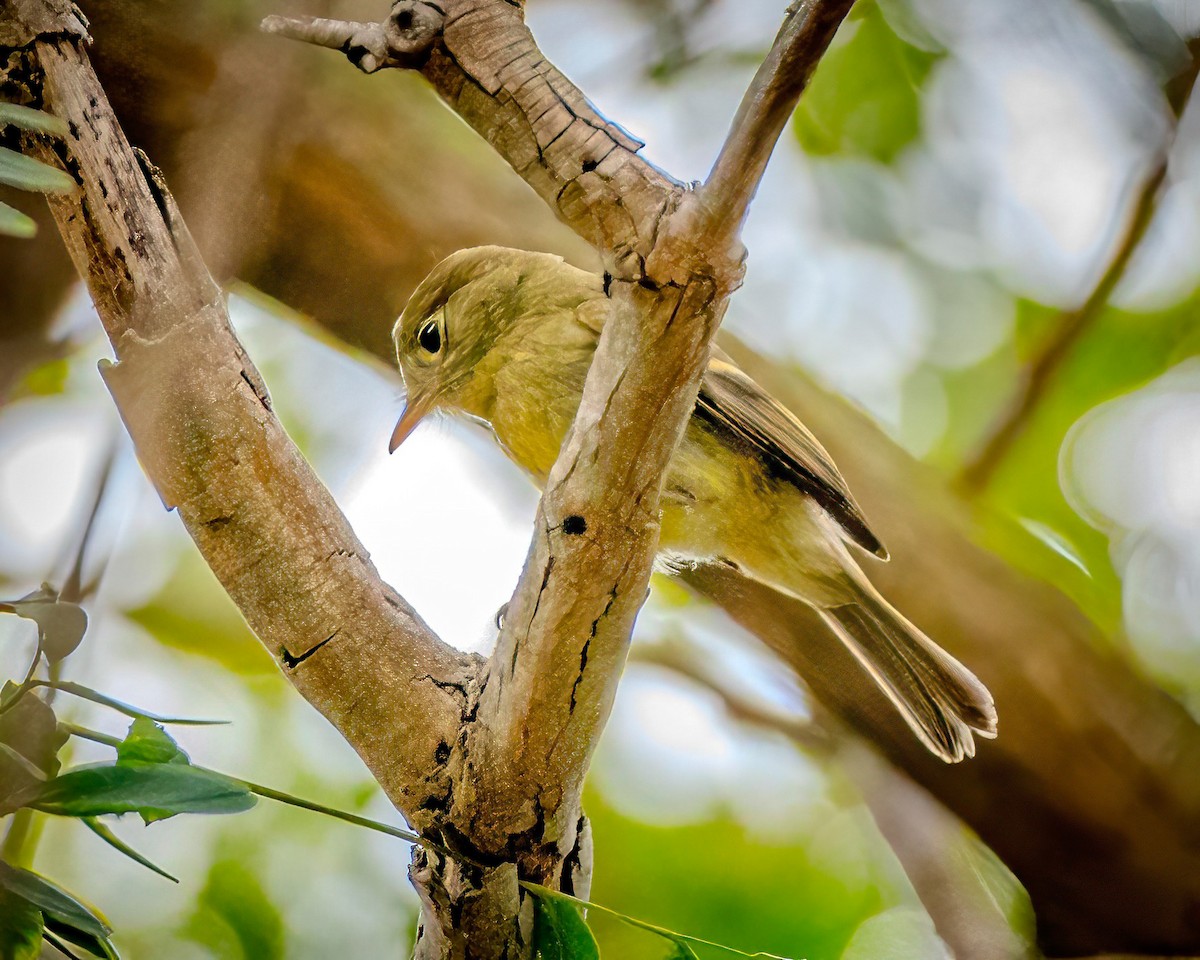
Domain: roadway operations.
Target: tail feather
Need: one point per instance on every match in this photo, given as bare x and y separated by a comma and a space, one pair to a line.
941, 700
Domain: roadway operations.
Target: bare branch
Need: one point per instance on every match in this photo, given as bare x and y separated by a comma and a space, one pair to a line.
485, 65
802, 40
205, 432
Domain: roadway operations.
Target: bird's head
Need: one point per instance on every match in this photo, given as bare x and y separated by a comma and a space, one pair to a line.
455, 319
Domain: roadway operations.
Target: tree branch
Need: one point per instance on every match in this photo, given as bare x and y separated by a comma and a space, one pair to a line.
806, 32
202, 422
551, 681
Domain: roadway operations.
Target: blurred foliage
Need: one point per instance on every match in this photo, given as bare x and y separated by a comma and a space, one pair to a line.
193, 614
1120, 352
864, 98
718, 881
234, 916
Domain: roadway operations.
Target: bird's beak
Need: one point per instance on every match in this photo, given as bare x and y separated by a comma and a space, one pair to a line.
415, 408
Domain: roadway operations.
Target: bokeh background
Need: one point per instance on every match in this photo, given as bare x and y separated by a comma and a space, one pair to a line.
961, 179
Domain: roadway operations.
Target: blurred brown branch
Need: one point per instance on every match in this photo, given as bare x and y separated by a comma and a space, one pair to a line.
1068, 327
929, 842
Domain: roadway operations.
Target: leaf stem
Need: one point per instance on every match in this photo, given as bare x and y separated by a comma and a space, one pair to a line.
375, 825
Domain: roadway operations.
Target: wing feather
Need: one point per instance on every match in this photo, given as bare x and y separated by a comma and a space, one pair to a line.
734, 404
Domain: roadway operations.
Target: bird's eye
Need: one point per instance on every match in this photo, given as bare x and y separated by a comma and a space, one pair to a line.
430, 337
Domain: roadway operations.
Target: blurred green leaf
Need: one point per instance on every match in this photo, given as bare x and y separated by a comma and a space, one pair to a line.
864, 98
147, 742
725, 891
105, 834
235, 915
35, 121
87, 693
559, 930
13, 223
61, 625
25, 173
47, 379
193, 613
61, 912
20, 928
154, 791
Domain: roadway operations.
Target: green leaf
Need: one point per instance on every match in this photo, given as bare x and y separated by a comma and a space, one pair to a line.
30, 728
864, 97
680, 950
61, 912
559, 930
61, 624
13, 223
87, 693
36, 121
105, 834
147, 742
235, 912
153, 791
20, 928
25, 173
20, 781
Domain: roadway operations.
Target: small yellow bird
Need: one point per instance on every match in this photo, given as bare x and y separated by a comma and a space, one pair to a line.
506, 337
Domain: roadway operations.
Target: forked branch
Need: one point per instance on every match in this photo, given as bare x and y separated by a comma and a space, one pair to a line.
551, 681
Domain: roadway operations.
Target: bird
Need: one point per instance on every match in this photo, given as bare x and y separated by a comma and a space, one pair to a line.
505, 338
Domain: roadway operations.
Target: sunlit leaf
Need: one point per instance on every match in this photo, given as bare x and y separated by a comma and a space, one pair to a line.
25, 173
105, 834
61, 625
864, 98
61, 912
13, 223
35, 121
153, 791
559, 930
20, 928
147, 742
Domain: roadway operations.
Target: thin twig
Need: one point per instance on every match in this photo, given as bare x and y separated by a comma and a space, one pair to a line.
769, 101
1071, 325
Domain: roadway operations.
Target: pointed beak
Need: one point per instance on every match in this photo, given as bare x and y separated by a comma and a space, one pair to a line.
415, 409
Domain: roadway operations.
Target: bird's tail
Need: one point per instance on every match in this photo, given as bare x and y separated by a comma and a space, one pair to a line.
941, 699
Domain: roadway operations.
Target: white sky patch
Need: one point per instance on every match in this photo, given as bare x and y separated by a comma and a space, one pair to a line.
432, 527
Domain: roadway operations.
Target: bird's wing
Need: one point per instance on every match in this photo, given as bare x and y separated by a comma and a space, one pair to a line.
737, 406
